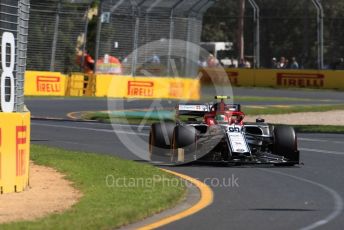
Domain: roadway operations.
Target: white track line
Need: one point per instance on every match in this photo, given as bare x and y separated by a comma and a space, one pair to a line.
93, 129
321, 151
320, 140
337, 199
135, 126
114, 125
119, 125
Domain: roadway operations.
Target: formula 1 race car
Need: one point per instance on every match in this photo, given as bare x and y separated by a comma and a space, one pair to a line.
216, 132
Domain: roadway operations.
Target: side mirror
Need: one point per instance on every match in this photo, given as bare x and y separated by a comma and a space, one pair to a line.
260, 120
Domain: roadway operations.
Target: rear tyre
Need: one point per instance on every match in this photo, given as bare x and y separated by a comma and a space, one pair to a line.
184, 139
285, 144
160, 137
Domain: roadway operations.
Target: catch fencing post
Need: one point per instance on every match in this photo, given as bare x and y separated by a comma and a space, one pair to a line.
56, 33
171, 36
256, 18
99, 28
135, 13
192, 19
85, 40
320, 32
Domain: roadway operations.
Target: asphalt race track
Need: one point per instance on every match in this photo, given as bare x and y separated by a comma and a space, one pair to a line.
259, 197
44, 107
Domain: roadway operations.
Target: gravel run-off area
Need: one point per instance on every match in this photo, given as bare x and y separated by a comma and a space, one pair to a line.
49, 192
335, 117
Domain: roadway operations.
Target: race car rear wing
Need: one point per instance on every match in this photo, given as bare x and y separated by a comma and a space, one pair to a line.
234, 107
192, 110
202, 109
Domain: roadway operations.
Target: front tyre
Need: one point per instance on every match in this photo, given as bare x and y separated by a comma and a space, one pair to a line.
183, 143
285, 144
160, 137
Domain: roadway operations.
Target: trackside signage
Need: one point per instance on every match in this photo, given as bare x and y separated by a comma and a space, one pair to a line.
21, 158
147, 87
140, 88
233, 77
45, 83
48, 84
14, 151
215, 76
176, 89
0, 154
302, 80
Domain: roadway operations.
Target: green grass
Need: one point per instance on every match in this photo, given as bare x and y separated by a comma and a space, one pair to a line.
290, 109
267, 99
238, 99
282, 88
319, 129
102, 206
100, 116
105, 118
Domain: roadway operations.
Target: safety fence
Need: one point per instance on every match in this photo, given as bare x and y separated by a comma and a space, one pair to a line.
136, 33
140, 32
58, 31
309, 30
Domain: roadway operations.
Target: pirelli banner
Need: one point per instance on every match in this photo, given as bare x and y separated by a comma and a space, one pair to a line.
147, 87
14, 119
14, 151
40, 83
324, 79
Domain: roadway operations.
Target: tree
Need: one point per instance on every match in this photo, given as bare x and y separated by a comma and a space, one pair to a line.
288, 28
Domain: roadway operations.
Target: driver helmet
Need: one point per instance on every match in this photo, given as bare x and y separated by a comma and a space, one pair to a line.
221, 118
